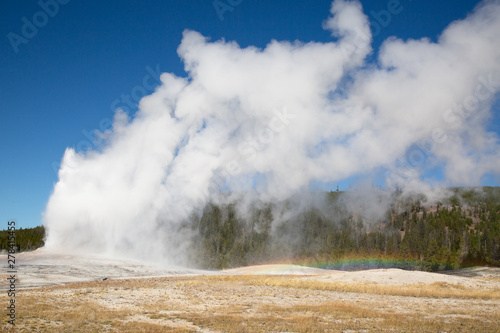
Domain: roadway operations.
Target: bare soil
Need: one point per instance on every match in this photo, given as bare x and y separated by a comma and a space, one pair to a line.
68, 294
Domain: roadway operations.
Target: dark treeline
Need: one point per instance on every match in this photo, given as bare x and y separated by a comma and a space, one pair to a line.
26, 239
462, 230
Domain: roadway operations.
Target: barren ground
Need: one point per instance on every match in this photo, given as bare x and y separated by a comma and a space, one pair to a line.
68, 294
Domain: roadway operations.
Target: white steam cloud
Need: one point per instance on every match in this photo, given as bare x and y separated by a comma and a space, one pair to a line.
271, 121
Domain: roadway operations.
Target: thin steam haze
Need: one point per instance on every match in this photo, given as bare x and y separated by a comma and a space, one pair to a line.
266, 123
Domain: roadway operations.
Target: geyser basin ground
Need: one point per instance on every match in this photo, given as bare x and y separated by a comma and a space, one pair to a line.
42, 268
47, 268
67, 293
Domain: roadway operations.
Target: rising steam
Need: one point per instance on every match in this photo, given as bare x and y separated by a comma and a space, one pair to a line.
269, 122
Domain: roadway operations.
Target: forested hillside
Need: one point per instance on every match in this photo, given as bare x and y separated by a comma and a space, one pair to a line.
26, 239
461, 230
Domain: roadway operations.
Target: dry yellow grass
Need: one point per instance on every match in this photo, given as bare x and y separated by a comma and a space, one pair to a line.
252, 304
436, 289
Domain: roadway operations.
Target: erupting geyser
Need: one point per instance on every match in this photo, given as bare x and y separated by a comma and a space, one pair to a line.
268, 122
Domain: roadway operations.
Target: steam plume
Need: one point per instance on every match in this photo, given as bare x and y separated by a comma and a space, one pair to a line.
271, 121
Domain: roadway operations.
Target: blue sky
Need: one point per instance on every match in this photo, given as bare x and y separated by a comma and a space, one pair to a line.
64, 80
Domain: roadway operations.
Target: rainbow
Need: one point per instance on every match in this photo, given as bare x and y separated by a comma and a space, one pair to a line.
356, 264
317, 266
308, 267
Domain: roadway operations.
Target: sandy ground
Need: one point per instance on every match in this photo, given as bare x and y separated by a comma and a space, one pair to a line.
398, 277
45, 268
68, 293
42, 268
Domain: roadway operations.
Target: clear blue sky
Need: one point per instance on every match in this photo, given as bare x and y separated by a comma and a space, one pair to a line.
67, 76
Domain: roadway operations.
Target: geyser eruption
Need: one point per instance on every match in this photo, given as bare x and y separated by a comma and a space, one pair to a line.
268, 122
